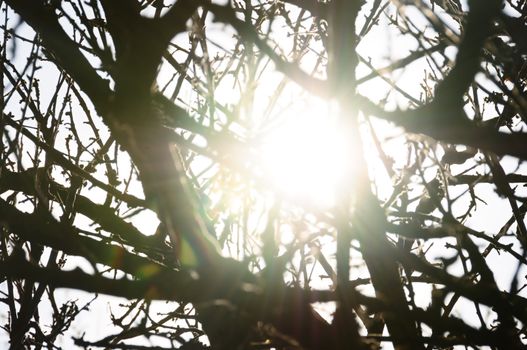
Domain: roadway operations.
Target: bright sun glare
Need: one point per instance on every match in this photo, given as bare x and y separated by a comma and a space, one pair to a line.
303, 155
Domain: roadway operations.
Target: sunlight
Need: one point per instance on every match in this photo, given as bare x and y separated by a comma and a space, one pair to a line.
303, 155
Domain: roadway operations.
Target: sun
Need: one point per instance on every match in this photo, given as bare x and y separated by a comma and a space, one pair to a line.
303, 154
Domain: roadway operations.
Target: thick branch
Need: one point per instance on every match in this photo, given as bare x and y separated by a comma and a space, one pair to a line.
98, 213
456, 128
43, 20
477, 29
46, 231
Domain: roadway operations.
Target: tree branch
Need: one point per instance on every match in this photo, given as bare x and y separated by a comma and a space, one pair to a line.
43, 20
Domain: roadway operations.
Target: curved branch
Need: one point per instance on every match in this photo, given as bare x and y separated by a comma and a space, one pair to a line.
44, 21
